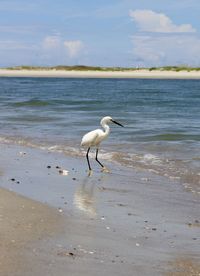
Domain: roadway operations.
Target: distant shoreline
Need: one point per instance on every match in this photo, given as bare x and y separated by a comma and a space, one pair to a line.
140, 73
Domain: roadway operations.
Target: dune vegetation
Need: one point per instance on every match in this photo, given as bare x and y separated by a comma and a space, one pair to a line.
103, 69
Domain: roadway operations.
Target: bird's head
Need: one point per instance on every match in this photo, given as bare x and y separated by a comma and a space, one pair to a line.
106, 120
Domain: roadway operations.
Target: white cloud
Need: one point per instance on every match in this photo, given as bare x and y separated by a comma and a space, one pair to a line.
166, 50
55, 49
51, 42
73, 47
51, 50
150, 21
55, 43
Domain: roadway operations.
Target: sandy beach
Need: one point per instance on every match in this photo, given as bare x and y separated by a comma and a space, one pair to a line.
128, 222
100, 74
22, 221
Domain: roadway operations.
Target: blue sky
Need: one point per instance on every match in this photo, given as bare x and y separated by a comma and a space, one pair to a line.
105, 33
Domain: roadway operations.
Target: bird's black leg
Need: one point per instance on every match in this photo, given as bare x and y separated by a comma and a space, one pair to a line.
97, 158
88, 159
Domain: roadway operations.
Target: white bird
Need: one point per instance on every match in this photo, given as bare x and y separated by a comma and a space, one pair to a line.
95, 137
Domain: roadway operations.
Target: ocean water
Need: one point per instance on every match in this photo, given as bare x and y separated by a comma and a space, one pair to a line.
161, 119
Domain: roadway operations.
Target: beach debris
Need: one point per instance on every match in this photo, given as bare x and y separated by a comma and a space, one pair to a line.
137, 244
14, 180
121, 204
22, 153
147, 227
48, 167
102, 218
85, 251
154, 229
63, 172
74, 178
66, 253
60, 210
194, 224
107, 227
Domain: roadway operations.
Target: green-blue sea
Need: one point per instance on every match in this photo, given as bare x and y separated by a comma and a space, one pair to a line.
161, 119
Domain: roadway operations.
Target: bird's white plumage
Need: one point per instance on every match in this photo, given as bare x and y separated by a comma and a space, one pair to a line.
95, 137
92, 138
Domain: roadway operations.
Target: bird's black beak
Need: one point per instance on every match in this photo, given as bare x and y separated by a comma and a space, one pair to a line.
117, 123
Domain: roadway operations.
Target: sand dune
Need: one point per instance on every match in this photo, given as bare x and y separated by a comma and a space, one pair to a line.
100, 74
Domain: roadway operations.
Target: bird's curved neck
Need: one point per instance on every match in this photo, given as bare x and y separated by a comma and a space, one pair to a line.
106, 129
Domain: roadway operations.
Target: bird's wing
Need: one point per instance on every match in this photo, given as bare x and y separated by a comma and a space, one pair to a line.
90, 138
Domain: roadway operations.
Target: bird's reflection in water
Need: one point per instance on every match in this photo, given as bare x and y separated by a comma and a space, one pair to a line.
84, 198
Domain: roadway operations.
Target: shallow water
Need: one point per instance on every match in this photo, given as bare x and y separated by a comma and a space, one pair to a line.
161, 119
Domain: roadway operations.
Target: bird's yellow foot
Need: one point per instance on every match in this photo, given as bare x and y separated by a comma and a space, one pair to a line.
104, 169
89, 172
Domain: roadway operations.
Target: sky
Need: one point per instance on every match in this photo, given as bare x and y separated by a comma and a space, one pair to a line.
125, 33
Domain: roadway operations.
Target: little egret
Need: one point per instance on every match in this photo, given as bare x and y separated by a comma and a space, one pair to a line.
95, 137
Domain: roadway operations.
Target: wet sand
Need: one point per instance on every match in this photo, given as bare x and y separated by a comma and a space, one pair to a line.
22, 221
142, 73
185, 267
127, 222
